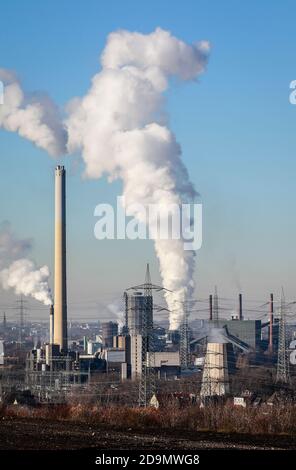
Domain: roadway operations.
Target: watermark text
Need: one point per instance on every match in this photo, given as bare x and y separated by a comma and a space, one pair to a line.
150, 221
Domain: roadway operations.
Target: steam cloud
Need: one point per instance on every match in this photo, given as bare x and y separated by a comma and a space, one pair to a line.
21, 275
116, 311
120, 127
11, 248
34, 117
25, 278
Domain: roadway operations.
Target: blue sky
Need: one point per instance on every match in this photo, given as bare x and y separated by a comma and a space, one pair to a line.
236, 127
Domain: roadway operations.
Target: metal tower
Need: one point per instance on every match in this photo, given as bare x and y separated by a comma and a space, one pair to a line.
185, 333
4, 322
21, 303
211, 307
147, 385
270, 338
216, 309
282, 374
184, 340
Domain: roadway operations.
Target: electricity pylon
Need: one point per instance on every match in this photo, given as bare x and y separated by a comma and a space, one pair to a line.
184, 341
184, 333
22, 308
282, 373
216, 309
147, 385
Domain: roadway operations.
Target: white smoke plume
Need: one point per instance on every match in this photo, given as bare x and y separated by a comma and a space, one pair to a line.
26, 279
121, 129
116, 312
21, 274
34, 117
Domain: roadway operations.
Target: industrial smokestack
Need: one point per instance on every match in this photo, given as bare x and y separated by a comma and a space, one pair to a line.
211, 306
240, 313
270, 345
60, 287
51, 327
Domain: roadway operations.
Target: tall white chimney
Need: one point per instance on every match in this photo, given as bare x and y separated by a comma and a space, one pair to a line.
60, 286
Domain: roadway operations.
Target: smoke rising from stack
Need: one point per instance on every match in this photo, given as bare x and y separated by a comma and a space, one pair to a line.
23, 276
19, 273
115, 312
34, 117
120, 127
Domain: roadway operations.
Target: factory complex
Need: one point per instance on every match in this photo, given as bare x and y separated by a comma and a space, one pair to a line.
144, 354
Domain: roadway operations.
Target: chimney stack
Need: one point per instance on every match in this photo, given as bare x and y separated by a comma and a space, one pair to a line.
60, 287
240, 300
211, 306
51, 327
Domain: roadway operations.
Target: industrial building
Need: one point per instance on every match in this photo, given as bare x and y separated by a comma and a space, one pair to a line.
93, 347
49, 375
166, 363
135, 354
135, 309
114, 355
109, 330
261, 337
248, 331
120, 341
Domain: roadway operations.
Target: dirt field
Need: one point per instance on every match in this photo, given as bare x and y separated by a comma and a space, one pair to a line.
40, 434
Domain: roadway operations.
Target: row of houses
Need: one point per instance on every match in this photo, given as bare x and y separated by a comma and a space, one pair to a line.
246, 399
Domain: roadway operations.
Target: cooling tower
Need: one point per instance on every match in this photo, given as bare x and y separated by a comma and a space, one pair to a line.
60, 287
215, 380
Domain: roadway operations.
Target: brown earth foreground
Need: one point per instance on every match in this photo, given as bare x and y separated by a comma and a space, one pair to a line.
46, 434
